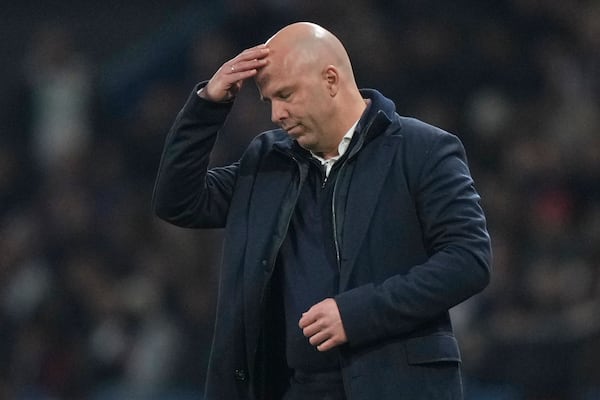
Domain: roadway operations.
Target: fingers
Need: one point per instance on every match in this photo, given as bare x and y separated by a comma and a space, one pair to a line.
241, 68
322, 325
253, 53
329, 344
228, 80
323, 336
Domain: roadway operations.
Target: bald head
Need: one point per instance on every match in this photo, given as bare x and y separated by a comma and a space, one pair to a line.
305, 45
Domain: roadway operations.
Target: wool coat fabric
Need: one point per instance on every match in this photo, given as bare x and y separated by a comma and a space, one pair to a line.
411, 237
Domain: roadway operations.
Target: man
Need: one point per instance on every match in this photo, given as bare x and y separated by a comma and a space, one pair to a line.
350, 232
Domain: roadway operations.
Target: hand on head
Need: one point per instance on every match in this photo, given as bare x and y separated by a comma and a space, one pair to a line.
228, 80
307, 43
303, 71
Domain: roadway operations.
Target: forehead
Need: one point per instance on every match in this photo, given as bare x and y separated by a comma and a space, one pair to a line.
272, 77
283, 69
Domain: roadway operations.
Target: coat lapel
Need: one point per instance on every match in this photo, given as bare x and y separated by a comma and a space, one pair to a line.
363, 195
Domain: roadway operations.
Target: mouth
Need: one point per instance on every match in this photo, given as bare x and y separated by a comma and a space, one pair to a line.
293, 129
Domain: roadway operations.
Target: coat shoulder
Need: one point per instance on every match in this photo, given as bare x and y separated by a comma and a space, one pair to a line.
415, 129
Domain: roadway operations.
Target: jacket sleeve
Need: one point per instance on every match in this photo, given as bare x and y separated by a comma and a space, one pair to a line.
456, 240
186, 193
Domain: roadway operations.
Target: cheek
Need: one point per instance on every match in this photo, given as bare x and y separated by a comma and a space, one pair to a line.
323, 101
313, 107
321, 110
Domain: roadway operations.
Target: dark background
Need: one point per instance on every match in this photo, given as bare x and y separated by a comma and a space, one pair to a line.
100, 300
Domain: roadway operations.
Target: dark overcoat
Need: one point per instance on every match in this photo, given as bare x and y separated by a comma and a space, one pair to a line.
412, 244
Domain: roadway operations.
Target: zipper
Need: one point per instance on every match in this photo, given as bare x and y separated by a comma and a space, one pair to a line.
333, 214
324, 179
353, 153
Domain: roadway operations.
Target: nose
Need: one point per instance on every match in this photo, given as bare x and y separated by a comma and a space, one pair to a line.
278, 112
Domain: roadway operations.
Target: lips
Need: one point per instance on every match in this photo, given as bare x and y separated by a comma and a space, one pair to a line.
291, 129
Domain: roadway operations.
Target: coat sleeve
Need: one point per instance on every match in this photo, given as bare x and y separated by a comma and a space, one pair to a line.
456, 240
186, 193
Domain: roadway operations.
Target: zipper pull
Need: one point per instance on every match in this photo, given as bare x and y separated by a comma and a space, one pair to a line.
323, 168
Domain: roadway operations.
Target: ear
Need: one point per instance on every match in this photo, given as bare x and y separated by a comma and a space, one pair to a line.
331, 78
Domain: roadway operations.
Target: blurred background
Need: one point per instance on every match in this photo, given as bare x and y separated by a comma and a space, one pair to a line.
100, 300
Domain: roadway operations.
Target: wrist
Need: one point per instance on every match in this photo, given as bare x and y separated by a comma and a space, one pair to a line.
202, 93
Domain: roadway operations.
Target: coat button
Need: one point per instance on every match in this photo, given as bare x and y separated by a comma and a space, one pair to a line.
240, 375
265, 264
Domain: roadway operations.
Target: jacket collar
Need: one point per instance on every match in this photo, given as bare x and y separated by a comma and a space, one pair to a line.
378, 116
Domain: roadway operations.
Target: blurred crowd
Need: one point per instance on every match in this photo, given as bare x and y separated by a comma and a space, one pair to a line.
100, 300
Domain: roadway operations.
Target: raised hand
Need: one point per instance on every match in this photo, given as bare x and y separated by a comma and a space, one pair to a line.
227, 81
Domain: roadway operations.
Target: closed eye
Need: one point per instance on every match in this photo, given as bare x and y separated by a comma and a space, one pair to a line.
282, 94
